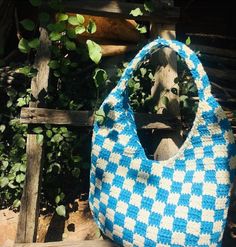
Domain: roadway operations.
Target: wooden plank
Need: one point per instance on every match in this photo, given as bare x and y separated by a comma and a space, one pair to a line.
120, 9
85, 243
86, 118
28, 218
214, 51
224, 74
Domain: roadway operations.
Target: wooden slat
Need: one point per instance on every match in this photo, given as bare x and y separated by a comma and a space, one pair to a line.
221, 74
86, 118
29, 210
86, 243
214, 51
121, 10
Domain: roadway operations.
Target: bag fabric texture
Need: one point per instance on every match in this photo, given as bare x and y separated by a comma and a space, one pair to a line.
182, 201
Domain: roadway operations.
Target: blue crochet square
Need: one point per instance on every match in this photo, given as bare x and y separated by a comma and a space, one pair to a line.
169, 209
179, 225
184, 200
162, 195
119, 219
140, 228
154, 219
194, 214
164, 236
167, 173
147, 203
176, 187
208, 202
132, 212
111, 167
197, 189
206, 227
125, 195
109, 224
139, 188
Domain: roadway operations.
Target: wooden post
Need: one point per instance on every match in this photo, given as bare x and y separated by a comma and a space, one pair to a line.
29, 211
170, 141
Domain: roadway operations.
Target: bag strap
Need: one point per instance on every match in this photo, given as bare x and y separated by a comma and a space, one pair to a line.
194, 65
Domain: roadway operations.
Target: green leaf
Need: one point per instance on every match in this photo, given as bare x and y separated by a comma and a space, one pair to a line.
56, 165
57, 199
57, 27
70, 45
141, 29
24, 46
100, 76
95, 51
61, 210
3, 182
188, 41
164, 100
57, 138
76, 20
91, 28
20, 178
36, 3
76, 172
16, 203
34, 43
2, 128
21, 102
136, 12
54, 64
100, 116
71, 33
54, 36
39, 138
28, 24
49, 133
79, 29
62, 17
38, 130
148, 6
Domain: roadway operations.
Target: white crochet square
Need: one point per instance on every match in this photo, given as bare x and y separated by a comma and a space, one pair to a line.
182, 212
139, 239
101, 163
222, 177
118, 231
136, 200
128, 184
102, 218
108, 144
167, 222
143, 216
220, 151
205, 239
115, 192
217, 225
124, 139
195, 202
220, 202
208, 215
199, 177
198, 152
104, 198
193, 227
186, 188
110, 214
122, 207
96, 150
209, 189
108, 177
150, 191
156, 170
158, 207
173, 198
191, 165
103, 132
142, 177
115, 158
119, 127
122, 171
179, 176
136, 164
129, 223
129, 151
178, 238
114, 114
165, 184
152, 232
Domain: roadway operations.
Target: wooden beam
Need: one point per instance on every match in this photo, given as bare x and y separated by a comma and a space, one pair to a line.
85, 243
214, 51
222, 74
120, 9
86, 118
29, 210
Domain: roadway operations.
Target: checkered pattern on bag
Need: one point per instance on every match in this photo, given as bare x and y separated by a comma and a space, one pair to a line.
182, 201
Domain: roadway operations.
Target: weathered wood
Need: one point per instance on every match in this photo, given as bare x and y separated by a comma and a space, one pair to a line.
214, 51
218, 60
86, 118
28, 218
167, 143
224, 74
121, 10
86, 243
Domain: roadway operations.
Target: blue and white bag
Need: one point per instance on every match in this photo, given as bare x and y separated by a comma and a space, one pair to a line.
182, 201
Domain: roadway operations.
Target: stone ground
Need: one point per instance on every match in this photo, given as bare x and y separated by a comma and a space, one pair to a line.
78, 225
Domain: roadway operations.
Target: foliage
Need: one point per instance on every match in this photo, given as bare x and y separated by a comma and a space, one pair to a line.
77, 82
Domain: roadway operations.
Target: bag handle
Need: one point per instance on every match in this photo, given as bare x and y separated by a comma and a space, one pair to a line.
193, 63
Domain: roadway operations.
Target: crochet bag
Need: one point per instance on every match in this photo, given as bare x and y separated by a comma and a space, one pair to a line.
182, 201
